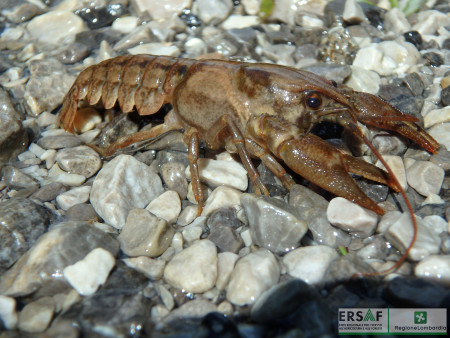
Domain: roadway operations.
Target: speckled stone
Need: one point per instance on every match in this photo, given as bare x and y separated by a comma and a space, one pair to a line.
80, 160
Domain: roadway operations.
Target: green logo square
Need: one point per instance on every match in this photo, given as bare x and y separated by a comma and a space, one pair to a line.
420, 317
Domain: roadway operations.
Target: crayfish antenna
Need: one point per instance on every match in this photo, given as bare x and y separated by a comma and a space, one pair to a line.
408, 205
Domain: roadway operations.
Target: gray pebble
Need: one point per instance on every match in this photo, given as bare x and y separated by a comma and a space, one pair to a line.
49, 192
82, 212
73, 54
445, 96
226, 239
80, 160
173, 174
15, 179
59, 141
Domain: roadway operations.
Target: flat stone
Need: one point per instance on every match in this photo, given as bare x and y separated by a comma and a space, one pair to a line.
166, 206
310, 263
39, 269
80, 160
400, 235
274, 224
59, 141
36, 316
144, 234
194, 269
435, 267
88, 274
122, 185
219, 172
151, 268
351, 217
74, 196
252, 275
425, 177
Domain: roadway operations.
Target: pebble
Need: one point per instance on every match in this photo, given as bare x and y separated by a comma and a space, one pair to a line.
221, 197
436, 223
353, 13
274, 224
123, 184
88, 274
194, 269
47, 27
395, 21
441, 133
36, 316
220, 172
59, 141
156, 11
192, 233
72, 197
351, 217
364, 80
15, 178
125, 24
188, 215
395, 163
437, 116
310, 263
80, 160
251, 276
151, 268
225, 266
226, 239
235, 21
194, 309
173, 175
400, 235
144, 234
82, 212
72, 180
39, 269
71, 55
155, 48
425, 177
214, 10
166, 206
434, 267
427, 22
8, 314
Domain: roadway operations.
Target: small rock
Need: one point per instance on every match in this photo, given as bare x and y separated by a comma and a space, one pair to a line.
144, 234
74, 196
125, 24
400, 235
437, 116
36, 316
192, 233
252, 275
364, 80
14, 178
59, 141
166, 206
427, 22
122, 185
156, 11
235, 21
98, 17
80, 160
222, 197
188, 215
225, 239
395, 163
214, 11
425, 177
353, 12
88, 274
194, 269
441, 133
435, 267
47, 27
151, 268
395, 21
82, 212
173, 175
351, 217
194, 309
155, 48
73, 54
8, 314
218, 172
310, 263
274, 224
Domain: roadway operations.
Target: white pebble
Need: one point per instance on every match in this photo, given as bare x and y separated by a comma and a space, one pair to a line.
177, 242
214, 10
310, 263
436, 267
427, 22
151, 268
252, 275
239, 21
351, 217
37, 315
72, 180
364, 80
47, 27
216, 173
49, 156
395, 21
155, 48
436, 116
192, 233
222, 197
194, 269
88, 274
188, 215
73, 196
401, 232
121, 185
353, 13
225, 266
425, 177
247, 237
433, 199
441, 133
436, 223
35, 149
395, 163
166, 206
125, 24
8, 314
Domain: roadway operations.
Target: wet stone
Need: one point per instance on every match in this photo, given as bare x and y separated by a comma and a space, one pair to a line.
59, 141
64, 245
445, 96
98, 17
24, 219
414, 83
36, 316
73, 54
274, 224
435, 267
14, 178
433, 59
415, 38
122, 185
194, 269
226, 239
82, 212
144, 234
330, 71
225, 217
252, 275
173, 175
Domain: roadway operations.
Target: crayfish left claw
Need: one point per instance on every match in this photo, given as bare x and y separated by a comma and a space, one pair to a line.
374, 111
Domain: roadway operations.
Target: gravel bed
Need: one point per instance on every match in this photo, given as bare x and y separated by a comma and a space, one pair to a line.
113, 247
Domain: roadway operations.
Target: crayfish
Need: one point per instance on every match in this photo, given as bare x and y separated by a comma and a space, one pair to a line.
256, 110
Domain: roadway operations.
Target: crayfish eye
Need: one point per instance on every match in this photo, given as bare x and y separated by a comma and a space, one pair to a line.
314, 100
